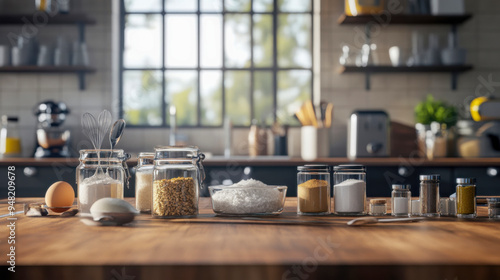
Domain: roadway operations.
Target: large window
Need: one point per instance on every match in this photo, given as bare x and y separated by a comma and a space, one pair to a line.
246, 59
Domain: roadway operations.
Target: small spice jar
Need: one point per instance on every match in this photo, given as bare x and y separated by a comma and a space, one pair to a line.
493, 207
378, 207
144, 182
401, 200
349, 190
466, 197
313, 190
177, 178
429, 195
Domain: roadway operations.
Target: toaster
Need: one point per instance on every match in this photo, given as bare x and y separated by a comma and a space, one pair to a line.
368, 134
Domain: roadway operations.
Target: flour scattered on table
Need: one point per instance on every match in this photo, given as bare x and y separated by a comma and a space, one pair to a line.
247, 196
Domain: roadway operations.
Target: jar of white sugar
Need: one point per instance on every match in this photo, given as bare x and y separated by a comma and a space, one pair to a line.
349, 190
401, 200
144, 182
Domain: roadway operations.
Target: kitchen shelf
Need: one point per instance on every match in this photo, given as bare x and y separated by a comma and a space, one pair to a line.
16, 19
78, 19
454, 70
405, 19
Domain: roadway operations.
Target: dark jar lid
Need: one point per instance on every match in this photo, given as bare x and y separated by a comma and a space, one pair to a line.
432, 177
349, 168
401, 187
466, 180
314, 168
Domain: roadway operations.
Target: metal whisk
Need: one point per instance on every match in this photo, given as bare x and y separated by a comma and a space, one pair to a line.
96, 130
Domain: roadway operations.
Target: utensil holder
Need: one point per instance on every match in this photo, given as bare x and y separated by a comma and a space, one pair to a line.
314, 142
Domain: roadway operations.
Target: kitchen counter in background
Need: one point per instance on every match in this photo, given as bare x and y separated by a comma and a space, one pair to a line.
34, 176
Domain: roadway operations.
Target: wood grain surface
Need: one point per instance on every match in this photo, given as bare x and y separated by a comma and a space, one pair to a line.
220, 247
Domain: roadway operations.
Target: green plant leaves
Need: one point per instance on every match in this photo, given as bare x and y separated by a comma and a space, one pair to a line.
432, 110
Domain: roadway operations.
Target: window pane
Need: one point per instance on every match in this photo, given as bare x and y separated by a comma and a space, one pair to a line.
262, 6
211, 5
211, 97
237, 41
237, 5
294, 87
182, 91
181, 5
237, 85
211, 41
142, 41
142, 97
142, 5
181, 43
263, 41
263, 96
294, 40
294, 5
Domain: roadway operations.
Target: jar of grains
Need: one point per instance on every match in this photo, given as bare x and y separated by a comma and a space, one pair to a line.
144, 182
313, 190
466, 197
177, 177
349, 190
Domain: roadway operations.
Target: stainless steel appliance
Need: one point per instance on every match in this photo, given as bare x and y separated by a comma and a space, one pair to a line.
368, 134
52, 139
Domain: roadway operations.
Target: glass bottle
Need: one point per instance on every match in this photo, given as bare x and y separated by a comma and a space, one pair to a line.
177, 177
313, 190
349, 190
10, 143
401, 200
378, 207
429, 195
96, 181
493, 207
144, 182
466, 197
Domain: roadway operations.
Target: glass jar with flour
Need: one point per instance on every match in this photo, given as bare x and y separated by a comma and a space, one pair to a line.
97, 180
144, 182
349, 190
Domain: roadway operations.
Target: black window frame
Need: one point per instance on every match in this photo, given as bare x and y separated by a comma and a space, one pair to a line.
252, 69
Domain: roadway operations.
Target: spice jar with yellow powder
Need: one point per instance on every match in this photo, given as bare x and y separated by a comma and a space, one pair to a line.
466, 197
313, 190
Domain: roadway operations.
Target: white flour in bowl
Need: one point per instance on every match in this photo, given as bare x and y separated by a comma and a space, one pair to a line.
247, 196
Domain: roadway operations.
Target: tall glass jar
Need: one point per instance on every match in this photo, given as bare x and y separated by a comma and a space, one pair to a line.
466, 197
10, 142
349, 190
177, 177
429, 195
313, 190
97, 181
401, 200
144, 182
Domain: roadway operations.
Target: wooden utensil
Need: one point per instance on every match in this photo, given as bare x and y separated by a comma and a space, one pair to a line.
311, 115
328, 115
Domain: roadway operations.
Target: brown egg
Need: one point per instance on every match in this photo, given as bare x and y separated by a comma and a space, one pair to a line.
60, 194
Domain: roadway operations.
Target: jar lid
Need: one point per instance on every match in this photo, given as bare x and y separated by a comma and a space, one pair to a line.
314, 168
400, 187
147, 155
378, 201
171, 152
466, 180
432, 177
350, 168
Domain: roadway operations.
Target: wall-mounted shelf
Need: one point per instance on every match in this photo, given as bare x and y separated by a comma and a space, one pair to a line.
80, 20
454, 70
405, 19
383, 20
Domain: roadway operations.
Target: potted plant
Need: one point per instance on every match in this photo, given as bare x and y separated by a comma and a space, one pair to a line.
434, 119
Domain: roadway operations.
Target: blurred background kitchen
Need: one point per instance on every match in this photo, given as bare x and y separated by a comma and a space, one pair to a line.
409, 74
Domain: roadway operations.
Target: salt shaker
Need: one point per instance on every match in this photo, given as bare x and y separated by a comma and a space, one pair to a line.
144, 182
401, 200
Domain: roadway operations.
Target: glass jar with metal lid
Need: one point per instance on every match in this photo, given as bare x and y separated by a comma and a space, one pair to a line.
144, 182
401, 200
313, 190
349, 190
429, 195
466, 197
177, 177
96, 181
493, 207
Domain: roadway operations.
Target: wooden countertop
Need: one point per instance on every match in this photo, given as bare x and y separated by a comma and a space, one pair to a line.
212, 247
284, 161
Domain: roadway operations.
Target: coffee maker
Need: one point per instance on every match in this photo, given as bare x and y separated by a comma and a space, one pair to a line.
52, 140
